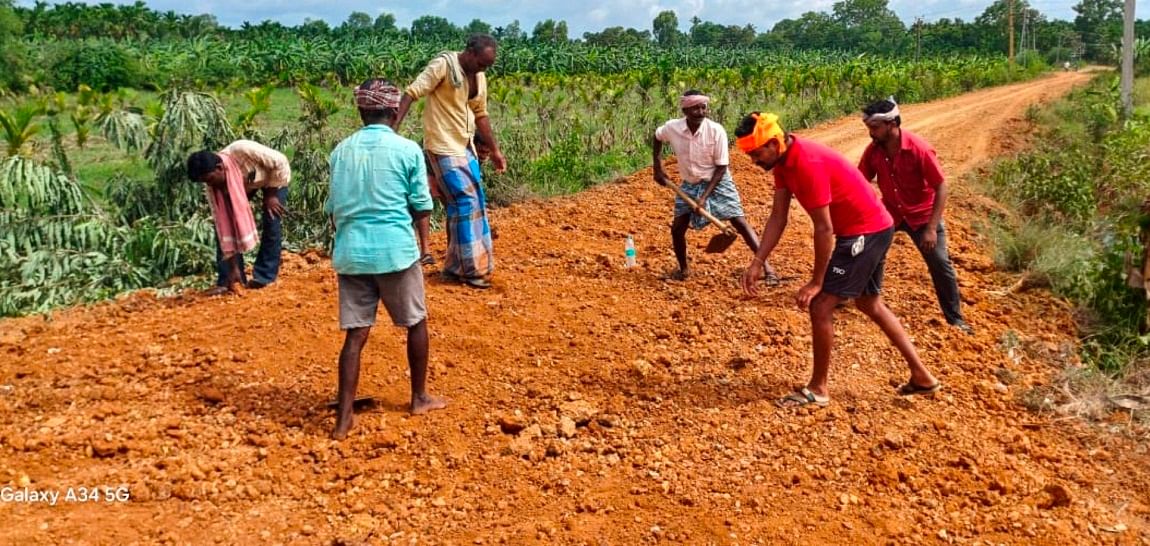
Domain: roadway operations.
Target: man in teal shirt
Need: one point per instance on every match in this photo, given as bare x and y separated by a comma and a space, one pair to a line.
378, 187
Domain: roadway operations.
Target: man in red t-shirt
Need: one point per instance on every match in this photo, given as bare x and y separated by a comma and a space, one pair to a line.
914, 192
852, 233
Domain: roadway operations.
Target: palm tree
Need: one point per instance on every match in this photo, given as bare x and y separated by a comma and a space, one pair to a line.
19, 126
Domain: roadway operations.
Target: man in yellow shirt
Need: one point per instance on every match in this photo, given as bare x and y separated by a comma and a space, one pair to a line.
456, 89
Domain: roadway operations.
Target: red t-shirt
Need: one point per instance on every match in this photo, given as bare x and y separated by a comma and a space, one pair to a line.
908, 182
818, 176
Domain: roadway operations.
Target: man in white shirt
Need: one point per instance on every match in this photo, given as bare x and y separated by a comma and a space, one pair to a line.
265, 170
701, 147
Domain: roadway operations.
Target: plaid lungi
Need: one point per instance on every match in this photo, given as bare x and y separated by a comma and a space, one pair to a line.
469, 250
723, 203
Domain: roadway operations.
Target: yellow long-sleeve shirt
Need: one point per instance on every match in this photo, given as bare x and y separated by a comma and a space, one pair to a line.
449, 117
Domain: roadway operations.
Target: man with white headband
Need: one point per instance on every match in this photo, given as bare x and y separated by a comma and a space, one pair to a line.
914, 191
378, 185
700, 145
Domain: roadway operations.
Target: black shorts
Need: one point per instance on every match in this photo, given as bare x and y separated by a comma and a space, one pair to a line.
857, 263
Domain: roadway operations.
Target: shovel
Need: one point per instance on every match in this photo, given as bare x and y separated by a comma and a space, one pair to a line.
721, 241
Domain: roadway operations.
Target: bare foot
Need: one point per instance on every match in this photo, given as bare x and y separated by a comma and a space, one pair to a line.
342, 428
237, 288
427, 403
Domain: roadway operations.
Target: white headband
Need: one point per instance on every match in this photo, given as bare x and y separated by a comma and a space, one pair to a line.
887, 116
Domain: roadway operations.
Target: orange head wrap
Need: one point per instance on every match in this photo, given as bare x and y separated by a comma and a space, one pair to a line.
767, 128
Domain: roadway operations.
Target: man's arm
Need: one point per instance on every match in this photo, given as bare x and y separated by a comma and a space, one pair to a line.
272, 204
657, 161
772, 233
864, 165
932, 175
484, 126
404, 106
941, 193
720, 172
424, 84
824, 235
418, 191
824, 245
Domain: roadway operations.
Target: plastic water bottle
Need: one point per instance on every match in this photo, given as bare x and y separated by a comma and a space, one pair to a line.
629, 251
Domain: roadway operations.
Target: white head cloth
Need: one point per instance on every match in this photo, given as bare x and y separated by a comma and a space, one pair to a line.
886, 116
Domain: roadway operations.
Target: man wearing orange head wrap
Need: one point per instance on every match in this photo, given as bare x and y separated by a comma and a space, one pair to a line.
701, 148
852, 232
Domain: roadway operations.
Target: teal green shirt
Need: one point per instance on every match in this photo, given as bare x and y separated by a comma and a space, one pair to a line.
377, 179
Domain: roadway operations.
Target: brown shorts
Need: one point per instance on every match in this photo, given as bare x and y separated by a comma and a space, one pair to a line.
401, 293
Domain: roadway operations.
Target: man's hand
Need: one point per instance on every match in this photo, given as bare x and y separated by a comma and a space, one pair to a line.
807, 294
273, 206
702, 201
499, 161
751, 276
929, 239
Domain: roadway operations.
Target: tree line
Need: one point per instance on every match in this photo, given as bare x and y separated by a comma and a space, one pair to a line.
854, 26
857, 25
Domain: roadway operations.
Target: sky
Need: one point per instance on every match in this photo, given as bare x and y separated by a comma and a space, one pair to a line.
581, 16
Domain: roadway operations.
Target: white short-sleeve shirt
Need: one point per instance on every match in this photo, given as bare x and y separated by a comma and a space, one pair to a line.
698, 153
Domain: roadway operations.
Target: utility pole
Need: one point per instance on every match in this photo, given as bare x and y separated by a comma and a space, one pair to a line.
917, 37
1022, 37
1128, 60
1010, 37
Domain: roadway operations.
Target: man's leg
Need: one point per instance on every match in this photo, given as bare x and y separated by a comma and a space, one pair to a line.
822, 312
873, 307
223, 267
679, 241
942, 275
271, 244
740, 224
353, 345
417, 349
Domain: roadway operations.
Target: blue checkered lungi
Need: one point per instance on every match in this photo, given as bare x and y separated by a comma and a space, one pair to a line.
723, 203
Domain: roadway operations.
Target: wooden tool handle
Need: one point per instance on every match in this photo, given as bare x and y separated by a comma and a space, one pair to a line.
702, 211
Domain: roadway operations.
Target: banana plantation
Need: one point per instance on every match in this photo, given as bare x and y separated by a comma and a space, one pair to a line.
567, 117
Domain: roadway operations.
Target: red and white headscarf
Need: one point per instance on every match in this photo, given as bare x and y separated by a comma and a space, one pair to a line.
377, 96
691, 101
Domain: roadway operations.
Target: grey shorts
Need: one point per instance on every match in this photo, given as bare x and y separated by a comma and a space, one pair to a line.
401, 293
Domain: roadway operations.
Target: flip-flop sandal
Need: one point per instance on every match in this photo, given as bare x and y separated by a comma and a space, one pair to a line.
803, 397
910, 389
772, 279
427, 259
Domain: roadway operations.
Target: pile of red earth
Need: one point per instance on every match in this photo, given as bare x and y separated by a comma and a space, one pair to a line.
590, 403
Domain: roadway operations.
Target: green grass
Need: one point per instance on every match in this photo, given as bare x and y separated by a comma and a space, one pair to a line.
1076, 216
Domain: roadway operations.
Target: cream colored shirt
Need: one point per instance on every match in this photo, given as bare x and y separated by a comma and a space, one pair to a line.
448, 118
698, 153
263, 167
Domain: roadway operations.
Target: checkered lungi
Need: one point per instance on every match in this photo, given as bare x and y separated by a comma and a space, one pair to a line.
723, 203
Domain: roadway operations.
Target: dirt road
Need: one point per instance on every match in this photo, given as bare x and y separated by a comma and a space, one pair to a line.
210, 411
